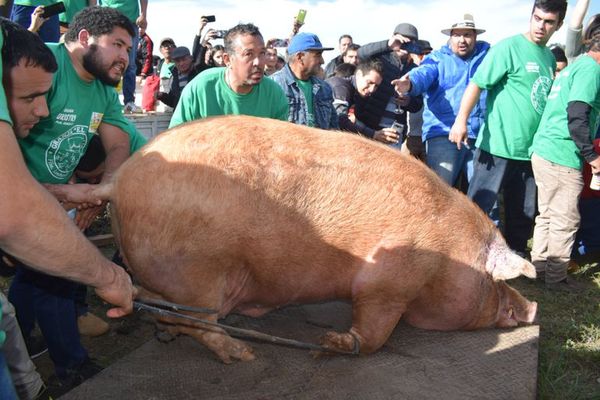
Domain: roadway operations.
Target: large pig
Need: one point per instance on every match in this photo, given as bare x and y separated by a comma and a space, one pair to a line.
247, 214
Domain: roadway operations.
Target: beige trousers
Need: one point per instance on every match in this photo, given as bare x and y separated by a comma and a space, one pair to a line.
559, 188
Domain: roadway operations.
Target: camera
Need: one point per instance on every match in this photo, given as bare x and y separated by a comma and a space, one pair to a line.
220, 34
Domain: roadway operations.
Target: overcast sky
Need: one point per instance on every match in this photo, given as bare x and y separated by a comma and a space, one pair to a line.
365, 20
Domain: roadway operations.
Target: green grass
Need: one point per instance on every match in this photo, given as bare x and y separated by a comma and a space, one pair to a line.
569, 347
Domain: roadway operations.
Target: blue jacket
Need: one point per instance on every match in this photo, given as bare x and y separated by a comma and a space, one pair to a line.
443, 78
324, 113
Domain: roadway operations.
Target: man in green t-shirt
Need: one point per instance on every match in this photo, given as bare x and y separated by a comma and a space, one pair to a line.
517, 73
239, 88
33, 227
561, 144
82, 102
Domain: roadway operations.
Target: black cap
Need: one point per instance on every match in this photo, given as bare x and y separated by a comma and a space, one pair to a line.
180, 52
407, 30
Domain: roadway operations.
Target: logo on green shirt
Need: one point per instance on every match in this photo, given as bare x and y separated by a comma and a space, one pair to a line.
64, 152
539, 93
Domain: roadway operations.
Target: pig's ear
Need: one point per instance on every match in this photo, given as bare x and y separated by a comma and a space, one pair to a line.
504, 265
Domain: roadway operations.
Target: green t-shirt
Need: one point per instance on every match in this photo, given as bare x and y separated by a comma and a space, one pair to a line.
130, 8
518, 75
77, 108
4, 116
166, 70
580, 81
208, 95
306, 87
136, 139
72, 7
34, 3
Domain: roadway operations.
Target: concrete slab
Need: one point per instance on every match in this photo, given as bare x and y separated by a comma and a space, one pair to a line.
414, 364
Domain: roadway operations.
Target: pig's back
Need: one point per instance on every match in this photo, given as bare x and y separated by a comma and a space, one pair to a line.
306, 203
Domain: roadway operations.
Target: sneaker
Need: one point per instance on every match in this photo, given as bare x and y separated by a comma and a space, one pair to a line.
131, 108
74, 377
36, 346
567, 285
91, 325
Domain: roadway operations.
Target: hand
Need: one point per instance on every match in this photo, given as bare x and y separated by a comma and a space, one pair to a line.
402, 85
210, 34
296, 27
36, 19
84, 218
203, 22
402, 100
120, 292
80, 193
142, 22
458, 133
397, 40
386, 135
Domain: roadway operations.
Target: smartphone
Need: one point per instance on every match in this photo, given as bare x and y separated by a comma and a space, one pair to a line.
279, 43
412, 47
53, 9
220, 34
398, 127
301, 15
209, 18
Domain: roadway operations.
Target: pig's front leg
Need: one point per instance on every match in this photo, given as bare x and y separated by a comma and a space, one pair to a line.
381, 293
372, 325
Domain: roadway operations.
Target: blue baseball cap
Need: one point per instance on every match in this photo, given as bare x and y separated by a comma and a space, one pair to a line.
304, 42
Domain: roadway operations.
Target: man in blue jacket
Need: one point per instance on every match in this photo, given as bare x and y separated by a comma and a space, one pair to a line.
443, 77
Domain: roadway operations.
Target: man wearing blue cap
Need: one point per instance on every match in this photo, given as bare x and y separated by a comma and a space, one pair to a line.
310, 98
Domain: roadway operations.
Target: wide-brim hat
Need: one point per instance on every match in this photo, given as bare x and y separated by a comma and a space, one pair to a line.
466, 23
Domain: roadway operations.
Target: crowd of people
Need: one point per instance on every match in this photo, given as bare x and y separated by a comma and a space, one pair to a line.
512, 125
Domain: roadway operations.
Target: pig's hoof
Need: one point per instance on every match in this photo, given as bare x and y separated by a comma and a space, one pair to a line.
344, 342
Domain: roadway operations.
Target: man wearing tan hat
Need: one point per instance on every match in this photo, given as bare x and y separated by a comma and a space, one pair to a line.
442, 78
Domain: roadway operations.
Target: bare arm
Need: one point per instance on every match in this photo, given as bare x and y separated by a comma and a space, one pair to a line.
458, 132
74, 193
141, 21
576, 21
92, 3
116, 146
36, 230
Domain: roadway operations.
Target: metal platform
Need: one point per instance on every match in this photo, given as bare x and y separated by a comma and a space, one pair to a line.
414, 364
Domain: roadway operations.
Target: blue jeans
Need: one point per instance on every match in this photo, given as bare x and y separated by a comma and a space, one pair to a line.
129, 77
7, 389
447, 161
50, 30
49, 301
515, 177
